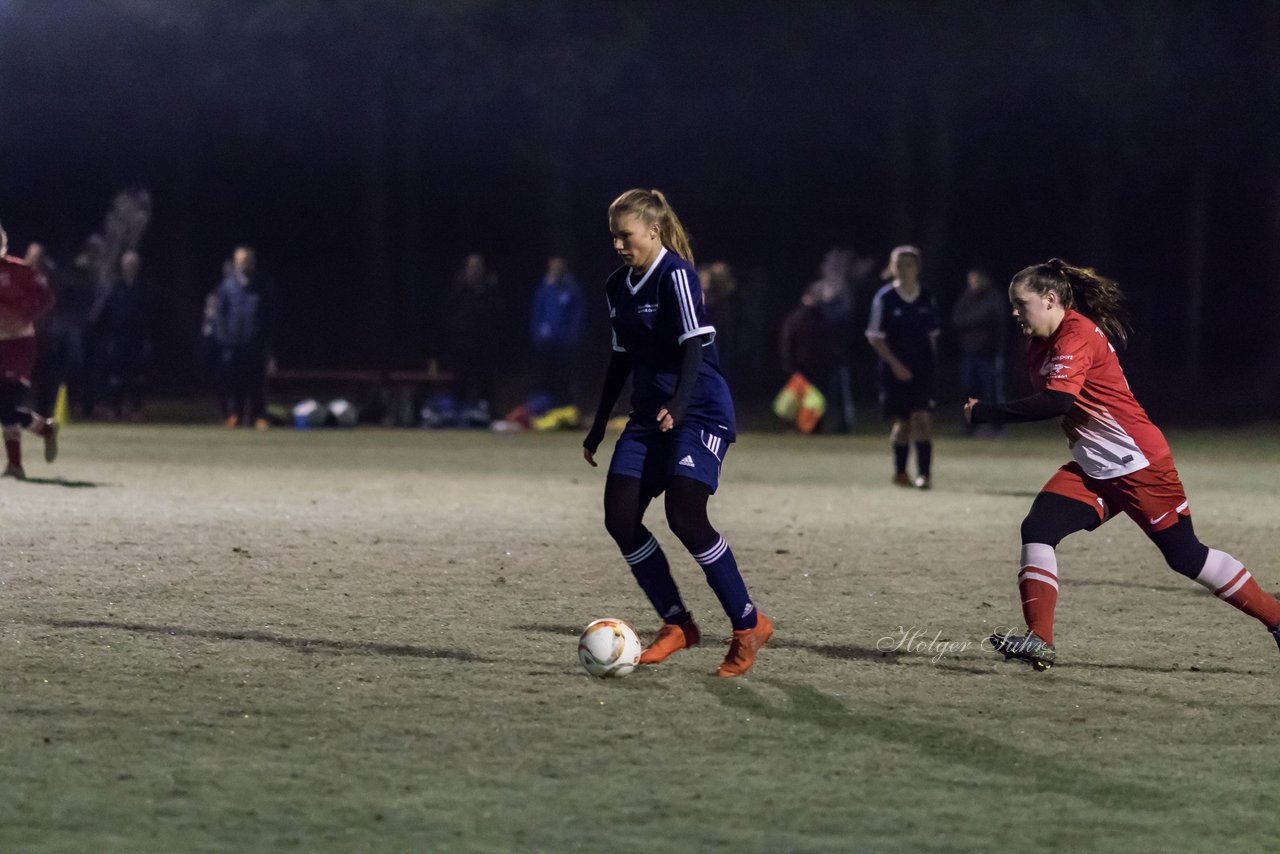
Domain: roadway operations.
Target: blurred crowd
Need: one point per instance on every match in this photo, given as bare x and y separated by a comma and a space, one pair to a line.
96, 346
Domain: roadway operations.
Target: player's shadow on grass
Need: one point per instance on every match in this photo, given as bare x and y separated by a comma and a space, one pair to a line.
1154, 668
1007, 493
851, 652
306, 645
551, 628
844, 651
1136, 585
62, 481
950, 742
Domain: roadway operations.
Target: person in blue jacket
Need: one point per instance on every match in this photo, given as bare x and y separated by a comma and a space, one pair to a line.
244, 326
555, 328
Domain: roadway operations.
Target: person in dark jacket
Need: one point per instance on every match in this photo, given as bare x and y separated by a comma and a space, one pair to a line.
124, 335
244, 328
980, 318
60, 359
473, 305
802, 342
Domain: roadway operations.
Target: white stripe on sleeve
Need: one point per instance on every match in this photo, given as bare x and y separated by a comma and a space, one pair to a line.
688, 312
874, 325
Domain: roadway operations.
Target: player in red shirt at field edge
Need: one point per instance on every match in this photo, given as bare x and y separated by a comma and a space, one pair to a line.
24, 297
1121, 462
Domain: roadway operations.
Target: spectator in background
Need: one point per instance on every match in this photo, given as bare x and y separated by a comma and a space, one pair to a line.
24, 298
207, 353
473, 305
831, 295
555, 327
979, 319
124, 336
60, 333
244, 329
803, 345
724, 308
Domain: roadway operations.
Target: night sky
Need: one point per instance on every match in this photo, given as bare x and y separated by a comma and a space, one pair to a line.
366, 147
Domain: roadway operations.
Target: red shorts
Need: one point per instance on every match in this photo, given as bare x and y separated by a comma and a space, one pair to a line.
17, 359
1153, 497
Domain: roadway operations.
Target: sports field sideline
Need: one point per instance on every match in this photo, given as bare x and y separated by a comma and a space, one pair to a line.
365, 641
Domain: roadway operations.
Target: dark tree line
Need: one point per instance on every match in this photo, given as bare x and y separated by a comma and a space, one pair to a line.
365, 147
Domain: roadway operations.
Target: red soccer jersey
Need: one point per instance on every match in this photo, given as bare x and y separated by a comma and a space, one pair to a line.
1109, 433
24, 294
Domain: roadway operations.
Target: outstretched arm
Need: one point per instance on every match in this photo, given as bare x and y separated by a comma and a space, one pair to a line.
614, 379
1037, 407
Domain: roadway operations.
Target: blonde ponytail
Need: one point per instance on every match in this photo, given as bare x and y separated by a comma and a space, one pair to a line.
652, 207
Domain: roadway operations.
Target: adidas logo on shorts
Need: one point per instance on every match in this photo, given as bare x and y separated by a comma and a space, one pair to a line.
687, 461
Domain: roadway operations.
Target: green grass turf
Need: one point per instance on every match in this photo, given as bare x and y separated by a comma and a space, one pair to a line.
359, 641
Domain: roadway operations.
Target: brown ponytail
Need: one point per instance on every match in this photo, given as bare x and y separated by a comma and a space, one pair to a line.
652, 207
1080, 288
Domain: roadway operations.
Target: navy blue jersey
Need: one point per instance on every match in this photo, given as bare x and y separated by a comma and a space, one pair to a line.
907, 328
651, 316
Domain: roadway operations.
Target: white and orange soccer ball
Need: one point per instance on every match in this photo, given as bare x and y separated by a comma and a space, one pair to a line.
609, 648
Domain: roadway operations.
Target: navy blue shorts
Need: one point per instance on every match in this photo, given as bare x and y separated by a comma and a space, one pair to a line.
688, 450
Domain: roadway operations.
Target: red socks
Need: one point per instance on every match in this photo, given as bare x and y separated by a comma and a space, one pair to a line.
1038, 586
1039, 598
1233, 584
1252, 599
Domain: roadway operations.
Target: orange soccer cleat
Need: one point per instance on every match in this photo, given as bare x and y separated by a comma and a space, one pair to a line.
672, 638
744, 646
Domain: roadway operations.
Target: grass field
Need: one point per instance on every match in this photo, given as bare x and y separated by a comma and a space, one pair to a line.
365, 641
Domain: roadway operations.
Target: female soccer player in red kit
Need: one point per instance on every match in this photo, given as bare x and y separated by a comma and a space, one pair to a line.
24, 298
1121, 461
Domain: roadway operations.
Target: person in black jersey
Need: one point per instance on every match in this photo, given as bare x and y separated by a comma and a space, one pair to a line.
903, 330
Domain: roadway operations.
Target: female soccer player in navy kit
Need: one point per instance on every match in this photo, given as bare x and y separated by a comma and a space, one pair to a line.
680, 426
1121, 461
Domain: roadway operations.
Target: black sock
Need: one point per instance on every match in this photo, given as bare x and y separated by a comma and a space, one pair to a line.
924, 457
900, 452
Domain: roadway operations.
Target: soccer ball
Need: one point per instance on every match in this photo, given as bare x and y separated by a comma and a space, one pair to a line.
609, 648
